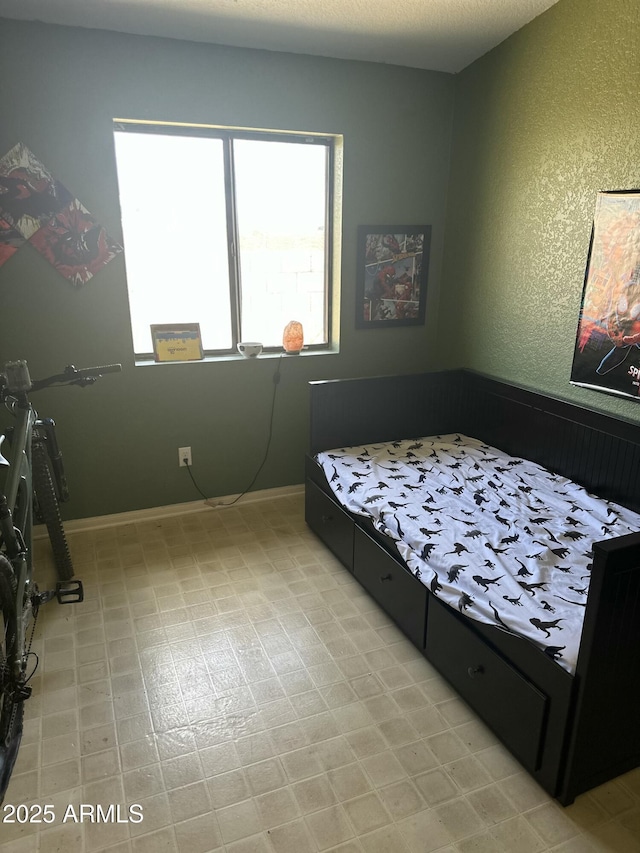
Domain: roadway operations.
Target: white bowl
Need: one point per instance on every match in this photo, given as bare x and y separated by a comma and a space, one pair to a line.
249, 349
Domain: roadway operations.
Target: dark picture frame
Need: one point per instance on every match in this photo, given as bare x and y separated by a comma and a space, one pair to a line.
393, 267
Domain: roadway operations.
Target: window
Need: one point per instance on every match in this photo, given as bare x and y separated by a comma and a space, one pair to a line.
227, 228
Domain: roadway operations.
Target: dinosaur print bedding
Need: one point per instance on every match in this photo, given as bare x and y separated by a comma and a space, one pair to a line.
496, 537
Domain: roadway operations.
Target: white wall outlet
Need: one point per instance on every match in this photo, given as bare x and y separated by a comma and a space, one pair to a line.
184, 453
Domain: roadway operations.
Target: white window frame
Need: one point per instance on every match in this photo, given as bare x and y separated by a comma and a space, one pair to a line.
333, 146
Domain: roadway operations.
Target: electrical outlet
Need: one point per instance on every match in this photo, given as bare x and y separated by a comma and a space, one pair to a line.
184, 453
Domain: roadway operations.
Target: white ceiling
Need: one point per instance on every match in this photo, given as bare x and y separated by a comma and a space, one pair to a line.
442, 35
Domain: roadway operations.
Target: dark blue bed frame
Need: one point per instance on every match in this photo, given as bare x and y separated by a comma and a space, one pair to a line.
589, 727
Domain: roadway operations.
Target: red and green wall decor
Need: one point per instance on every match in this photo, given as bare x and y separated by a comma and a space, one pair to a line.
37, 209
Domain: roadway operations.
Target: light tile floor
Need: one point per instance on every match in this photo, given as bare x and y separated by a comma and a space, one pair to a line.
227, 675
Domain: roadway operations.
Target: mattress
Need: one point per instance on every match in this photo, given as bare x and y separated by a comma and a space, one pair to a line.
498, 538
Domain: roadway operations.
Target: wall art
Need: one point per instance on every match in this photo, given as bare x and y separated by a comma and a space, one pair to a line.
607, 351
393, 263
177, 342
37, 209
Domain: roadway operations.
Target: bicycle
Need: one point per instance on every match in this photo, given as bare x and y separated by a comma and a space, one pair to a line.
34, 481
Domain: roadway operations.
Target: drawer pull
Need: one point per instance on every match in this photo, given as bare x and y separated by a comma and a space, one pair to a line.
474, 671
326, 519
384, 578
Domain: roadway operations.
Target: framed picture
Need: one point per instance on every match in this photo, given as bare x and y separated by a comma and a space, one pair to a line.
393, 264
177, 342
607, 350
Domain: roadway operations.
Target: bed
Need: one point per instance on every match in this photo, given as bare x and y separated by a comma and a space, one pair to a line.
566, 709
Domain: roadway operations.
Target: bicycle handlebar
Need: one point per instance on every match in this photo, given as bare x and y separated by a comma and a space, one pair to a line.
16, 378
76, 376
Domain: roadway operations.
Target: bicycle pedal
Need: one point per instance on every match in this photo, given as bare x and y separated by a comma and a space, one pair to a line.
22, 693
69, 592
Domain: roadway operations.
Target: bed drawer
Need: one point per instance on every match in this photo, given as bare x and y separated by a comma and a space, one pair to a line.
393, 587
513, 707
330, 522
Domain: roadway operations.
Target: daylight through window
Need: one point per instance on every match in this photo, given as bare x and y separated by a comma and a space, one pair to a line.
228, 229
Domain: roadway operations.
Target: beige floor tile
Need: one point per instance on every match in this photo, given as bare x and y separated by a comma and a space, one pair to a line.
228, 788
265, 776
402, 799
190, 801
367, 741
161, 841
156, 814
459, 818
423, 832
292, 837
329, 827
142, 783
383, 768
447, 746
491, 804
367, 813
277, 807
230, 676
416, 757
517, 834
313, 794
238, 821
253, 844
348, 781
182, 770
468, 774
436, 786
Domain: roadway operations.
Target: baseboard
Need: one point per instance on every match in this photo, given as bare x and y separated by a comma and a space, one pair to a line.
137, 515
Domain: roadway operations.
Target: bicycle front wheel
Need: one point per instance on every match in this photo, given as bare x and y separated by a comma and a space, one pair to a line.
49, 510
11, 710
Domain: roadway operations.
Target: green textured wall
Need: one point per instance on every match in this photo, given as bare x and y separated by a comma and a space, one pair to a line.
61, 88
542, 123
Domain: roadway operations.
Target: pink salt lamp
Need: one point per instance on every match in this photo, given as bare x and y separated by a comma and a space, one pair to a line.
293, 337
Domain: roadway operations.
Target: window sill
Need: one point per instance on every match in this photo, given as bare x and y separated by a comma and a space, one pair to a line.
231, 357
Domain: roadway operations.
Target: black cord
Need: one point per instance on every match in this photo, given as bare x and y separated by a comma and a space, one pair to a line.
35, 667
276, 381
198, 489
